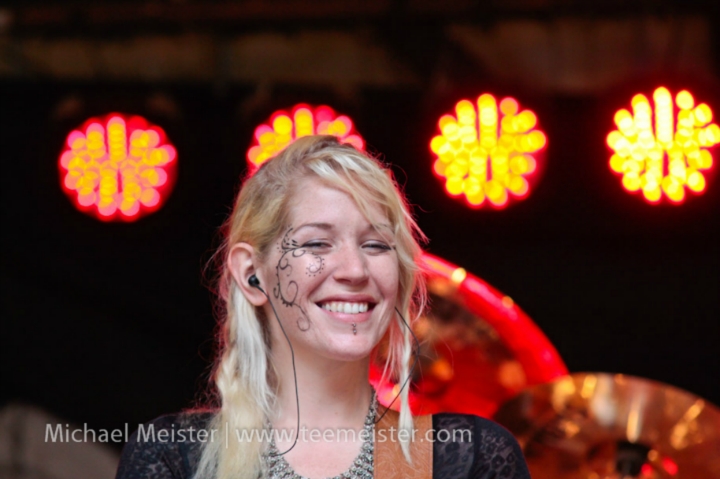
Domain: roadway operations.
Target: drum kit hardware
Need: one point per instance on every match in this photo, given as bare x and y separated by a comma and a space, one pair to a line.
480, 354
605, 426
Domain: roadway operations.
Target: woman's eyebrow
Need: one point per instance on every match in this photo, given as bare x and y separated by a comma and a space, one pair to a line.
386, 226
322, 226
328, 226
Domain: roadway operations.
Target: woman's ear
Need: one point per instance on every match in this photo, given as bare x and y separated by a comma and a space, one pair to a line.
241, 263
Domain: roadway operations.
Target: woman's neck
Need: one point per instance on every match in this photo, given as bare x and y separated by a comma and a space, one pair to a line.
332, 394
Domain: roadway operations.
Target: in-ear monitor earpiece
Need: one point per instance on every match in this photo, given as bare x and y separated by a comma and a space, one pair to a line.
254, 281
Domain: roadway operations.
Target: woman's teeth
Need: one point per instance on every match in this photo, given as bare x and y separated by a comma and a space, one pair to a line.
343, 307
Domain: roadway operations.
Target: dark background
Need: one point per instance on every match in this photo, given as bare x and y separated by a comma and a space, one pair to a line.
107, 323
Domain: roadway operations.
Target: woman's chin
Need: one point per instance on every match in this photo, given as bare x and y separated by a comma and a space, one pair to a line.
354, 349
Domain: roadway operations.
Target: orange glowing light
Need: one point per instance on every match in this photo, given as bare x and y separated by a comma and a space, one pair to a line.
488, 151
303, 120
672, 157
118, 167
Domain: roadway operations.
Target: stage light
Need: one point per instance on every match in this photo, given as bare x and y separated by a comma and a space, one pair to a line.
118, 167
303, 120
488, 151
669, 159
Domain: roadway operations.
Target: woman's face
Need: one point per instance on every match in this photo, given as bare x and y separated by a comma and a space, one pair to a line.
332, 275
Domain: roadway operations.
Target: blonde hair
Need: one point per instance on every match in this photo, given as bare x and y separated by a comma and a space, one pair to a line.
242, 374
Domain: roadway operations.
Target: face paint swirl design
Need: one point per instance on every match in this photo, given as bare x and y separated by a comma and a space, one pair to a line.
288, 294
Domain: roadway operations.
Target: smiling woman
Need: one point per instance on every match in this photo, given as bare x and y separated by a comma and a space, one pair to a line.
318, 269
336, 268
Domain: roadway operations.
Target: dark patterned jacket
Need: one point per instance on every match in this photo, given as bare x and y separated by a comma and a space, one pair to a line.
487, 451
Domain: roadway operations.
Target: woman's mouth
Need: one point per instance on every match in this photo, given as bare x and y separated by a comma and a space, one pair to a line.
346, 307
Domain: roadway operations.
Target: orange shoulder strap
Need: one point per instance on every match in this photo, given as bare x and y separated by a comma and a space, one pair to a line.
390, 462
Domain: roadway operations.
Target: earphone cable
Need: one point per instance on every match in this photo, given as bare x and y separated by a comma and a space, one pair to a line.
412, 368
292, 356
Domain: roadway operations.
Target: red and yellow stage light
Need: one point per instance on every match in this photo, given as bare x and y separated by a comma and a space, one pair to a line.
118, 167
488, 151
672, 156
303, 120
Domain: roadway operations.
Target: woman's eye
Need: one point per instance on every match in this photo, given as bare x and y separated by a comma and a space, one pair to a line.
316, 245
377, 246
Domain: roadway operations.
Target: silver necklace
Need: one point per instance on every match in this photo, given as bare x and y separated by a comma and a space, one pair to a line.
361, 468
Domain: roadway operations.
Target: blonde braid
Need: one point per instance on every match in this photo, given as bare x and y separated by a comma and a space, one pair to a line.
245, 397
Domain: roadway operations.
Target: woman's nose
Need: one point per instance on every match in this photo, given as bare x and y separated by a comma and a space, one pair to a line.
351, 266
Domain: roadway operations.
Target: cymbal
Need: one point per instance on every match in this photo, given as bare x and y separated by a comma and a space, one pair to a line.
605, 426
